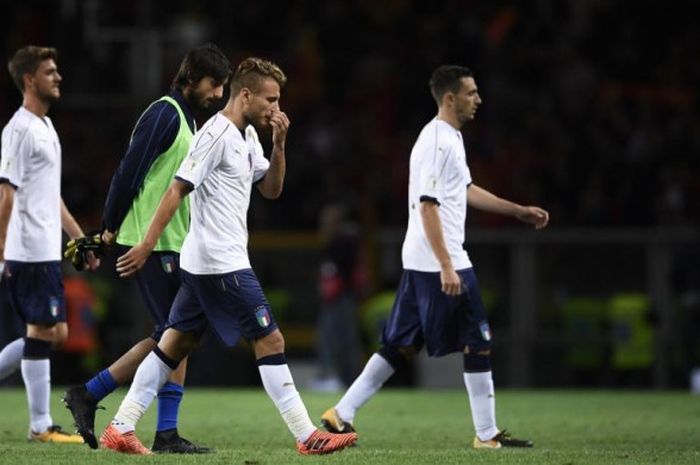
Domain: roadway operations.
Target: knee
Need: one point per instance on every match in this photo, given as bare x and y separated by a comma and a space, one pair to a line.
273, 343
398, 357
56, 335
477, 361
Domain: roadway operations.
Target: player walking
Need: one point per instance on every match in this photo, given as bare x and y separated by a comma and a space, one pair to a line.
158, 145
32, 213
438, 303
219, 288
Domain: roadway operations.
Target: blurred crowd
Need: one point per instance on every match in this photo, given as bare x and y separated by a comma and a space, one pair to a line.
590, 108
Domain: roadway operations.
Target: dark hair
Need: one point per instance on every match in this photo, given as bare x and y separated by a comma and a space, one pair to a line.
447, 78
205, 60
26, 60
252, 70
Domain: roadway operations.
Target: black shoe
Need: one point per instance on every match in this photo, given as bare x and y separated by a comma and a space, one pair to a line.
169, 442
82, 406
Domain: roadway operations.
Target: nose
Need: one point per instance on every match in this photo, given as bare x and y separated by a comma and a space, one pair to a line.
59, 78
219, 91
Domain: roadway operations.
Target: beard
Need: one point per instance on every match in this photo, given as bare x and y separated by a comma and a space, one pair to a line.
49, 95
200, 102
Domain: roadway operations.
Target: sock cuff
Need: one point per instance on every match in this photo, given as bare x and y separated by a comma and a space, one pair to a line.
275, 359
393, 357
165, 359
171, 389
477, 363
107, 379
36, 349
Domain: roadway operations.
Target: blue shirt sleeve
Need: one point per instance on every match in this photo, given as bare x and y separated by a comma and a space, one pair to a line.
154, 133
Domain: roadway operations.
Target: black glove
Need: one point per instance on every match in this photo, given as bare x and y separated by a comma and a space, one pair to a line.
77, 249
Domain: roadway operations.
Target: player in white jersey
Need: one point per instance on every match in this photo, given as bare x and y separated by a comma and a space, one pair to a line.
438, 303
32, 214
219, 288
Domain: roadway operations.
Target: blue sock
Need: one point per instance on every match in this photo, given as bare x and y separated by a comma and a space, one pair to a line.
101, 385
169, 398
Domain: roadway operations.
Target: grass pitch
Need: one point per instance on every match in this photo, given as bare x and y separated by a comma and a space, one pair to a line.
397, 427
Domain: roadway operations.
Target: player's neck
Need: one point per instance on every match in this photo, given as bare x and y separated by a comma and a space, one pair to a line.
35, 105
235, 114
448, 117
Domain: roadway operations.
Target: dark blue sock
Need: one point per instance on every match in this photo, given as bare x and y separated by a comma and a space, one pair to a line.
169, 398
101, 385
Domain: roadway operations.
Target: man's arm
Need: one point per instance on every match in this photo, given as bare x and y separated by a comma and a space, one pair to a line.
482, 199
70, 226
271, 185
133, 260
73, 230
430, 214
7, 199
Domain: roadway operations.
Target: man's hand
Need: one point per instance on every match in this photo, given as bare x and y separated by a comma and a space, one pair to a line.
85, 252
108, 237
533, 215
450, 281
280, 126
133, 260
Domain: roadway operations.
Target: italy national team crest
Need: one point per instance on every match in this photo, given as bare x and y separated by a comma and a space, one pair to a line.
263, 316
168, 262
54, 306
485, 330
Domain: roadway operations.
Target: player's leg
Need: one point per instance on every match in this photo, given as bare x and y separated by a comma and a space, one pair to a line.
236, 306
82, 400
379, 368
478, 379
158, 282
279, 385
35, 291
11, 357
187, 323
150, 377
401, 339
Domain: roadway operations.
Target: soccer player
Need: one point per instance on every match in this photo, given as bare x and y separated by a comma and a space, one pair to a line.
438, 303
159, 143
219, 288
32, 214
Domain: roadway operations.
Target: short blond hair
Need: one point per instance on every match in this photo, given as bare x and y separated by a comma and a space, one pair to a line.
26, 60
252, 70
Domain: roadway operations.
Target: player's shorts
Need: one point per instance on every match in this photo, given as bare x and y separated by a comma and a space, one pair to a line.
233, 304
35, 291
158, 282
424, 315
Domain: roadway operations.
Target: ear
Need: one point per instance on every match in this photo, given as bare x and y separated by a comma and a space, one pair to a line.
448, 98
28, 80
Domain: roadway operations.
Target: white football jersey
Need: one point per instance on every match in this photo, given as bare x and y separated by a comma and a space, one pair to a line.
222, 166
31, 161
438, 172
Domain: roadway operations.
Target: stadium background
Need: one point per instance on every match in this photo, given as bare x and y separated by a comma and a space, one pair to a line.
590, 110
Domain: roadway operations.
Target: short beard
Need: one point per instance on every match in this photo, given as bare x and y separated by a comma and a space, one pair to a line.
48, 97
197, 103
